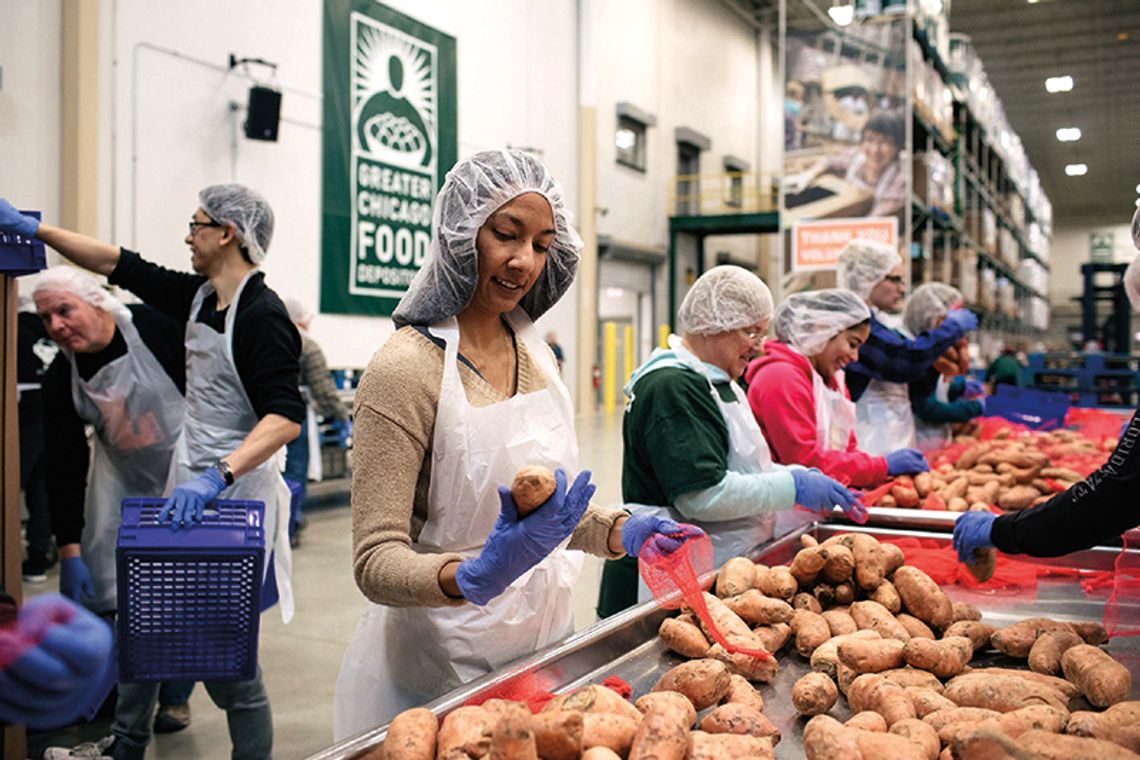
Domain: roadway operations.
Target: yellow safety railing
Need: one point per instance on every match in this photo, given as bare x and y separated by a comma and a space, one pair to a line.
609, 367
726, 193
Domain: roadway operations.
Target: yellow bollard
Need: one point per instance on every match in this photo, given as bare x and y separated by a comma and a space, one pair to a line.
627, 341
609, 367
663, 336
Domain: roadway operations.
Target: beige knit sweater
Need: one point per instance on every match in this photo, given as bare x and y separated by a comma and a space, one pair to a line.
391, 469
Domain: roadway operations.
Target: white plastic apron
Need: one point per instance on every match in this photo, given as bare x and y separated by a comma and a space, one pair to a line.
834, 413
219, 416
884, 421
403, 657
748, 452
136, 410
930, 436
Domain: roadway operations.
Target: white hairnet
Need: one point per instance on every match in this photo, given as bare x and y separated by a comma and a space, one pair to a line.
246, 210
68, 279
724, 298
864, 263
299, 312
1132, 274
807, 321
928, 306
475, 189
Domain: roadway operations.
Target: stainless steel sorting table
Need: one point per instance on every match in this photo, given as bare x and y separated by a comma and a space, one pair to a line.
627, 645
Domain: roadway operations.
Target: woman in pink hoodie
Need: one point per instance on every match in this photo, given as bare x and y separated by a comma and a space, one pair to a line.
798, 394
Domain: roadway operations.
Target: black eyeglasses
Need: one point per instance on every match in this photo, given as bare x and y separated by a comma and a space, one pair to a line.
194, 225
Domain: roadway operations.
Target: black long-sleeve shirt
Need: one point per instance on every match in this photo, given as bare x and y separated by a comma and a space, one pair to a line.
64, 435
267, 346
1098, 509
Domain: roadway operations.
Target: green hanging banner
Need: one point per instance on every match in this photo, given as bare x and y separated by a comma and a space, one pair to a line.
389, 139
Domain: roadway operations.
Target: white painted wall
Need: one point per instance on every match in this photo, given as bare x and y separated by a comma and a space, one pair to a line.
1070, 249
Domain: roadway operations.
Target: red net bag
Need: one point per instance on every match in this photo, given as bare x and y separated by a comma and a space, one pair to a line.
1122, 610
941, 563
1095, 424
674, 579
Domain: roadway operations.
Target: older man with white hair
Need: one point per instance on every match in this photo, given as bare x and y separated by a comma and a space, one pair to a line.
693, 449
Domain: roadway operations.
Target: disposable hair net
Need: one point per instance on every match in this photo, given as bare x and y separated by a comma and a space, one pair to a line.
475, 189
247, 211
68, 279
299, 312
928, 305
724, 298
864, 263
807, 321
1132, 274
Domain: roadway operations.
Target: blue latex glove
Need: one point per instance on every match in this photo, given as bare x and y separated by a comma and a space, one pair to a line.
972, 531
667, 543
59, 657
643, 526
820, 494
515, 546
906, 462
964, 319
75, 580
187, 503
12, 220
974, 388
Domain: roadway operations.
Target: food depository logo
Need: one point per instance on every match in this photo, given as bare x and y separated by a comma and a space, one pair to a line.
395, 137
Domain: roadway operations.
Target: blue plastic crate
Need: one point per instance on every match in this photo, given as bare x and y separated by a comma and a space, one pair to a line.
19, 255
1036, 409
189, 600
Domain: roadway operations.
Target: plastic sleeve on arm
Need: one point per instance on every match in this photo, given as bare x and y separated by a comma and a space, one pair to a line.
740, 495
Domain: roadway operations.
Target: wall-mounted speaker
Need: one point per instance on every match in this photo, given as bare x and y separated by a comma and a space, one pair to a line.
263, 114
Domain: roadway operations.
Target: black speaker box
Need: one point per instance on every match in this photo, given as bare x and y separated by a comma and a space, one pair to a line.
263, 114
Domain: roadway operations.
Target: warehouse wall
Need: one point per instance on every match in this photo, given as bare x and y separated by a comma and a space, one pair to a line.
1070, 249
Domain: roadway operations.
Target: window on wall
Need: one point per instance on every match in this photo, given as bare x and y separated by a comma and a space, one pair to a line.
688, 179
629, 140
734, 171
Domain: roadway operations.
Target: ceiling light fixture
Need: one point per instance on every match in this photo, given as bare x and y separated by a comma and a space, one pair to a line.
1138, 188
1069, 134
1059, 84
1077, 170
843, 14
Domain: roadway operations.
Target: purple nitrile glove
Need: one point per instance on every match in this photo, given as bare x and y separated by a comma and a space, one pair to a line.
75, 579
11, 220
974, 388
973, 531
906, 462
187, 503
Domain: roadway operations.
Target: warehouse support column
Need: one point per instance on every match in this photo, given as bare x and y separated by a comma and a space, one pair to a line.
79, 113
587, 184
11, 545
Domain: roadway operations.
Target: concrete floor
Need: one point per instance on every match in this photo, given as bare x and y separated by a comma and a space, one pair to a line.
300, 661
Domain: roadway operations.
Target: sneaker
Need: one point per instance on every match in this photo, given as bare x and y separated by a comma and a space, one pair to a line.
171, 718
36, 566
100, 750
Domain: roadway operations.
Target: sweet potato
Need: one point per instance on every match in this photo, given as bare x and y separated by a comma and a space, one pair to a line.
558, 734
412, 735
1068, 691
1045, 654
840, 564
659, 737
965, 611
778, 582
513, 735
957, 504
825, 658
752, 668
873, 616
1102, 680
1018, 497
756, 609
685, 639
736, 576
923, 483
1050, 746
531, 487
465, 732
893, 557
844, 593
706, 746
599, 753
923, 597
844, 676
811, 630
872, 692
870, 562
906, 498
1000, 692
773, 637
704, 682
956, 489
839, 622
807, 564
867, 720
609, 730
598, 699
825, 738
871, 656
887, 595
1091, 632
983, 564
977, 632
920, 734
736, 718
806, 601
674, 703
952, 723
915, 627
927, 701
1120, 714
1060, 473
740, 691
1034, 717
944, 658
814, 694
727, 621
970, 456
1017, 639
911, 677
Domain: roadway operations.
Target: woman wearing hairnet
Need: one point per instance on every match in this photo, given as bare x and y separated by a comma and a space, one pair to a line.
953, 398
692, 449
888, 361
1098, 509
799, 396
452, 405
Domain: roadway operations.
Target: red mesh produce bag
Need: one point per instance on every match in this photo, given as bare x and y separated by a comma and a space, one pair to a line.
1096, 424
1122, 610
674, 580
941, 563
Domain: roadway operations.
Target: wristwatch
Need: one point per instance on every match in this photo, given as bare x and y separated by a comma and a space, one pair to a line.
224, 470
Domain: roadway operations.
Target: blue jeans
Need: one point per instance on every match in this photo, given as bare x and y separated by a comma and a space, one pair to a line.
175, 692
297, 470
247, 712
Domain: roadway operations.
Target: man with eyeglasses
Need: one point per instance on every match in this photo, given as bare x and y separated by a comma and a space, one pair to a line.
693, 451
242, 401
889, 361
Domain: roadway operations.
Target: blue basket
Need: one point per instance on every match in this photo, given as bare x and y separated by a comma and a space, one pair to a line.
189, 600
20, 255
1036, 409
